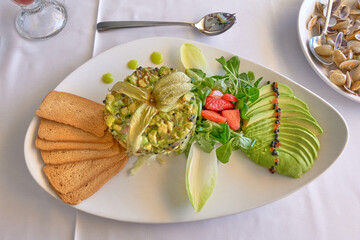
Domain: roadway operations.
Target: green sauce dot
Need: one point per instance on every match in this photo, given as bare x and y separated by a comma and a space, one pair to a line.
133, 64
156, 57
108, 78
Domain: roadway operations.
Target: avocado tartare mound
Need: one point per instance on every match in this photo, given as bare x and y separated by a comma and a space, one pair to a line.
167, 131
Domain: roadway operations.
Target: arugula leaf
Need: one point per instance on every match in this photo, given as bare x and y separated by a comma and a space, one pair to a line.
207, 145
252, 93
221, 133
223, 152
243, 111
251, 76
198, 72
256, 84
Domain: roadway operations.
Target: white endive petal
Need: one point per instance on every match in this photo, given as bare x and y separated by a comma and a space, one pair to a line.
192, 57
201, 176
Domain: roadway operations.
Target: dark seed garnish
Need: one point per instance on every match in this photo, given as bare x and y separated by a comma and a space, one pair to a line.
276, 136
268, 82
276, 131
273, 144
277, 122
275, 153
278, 110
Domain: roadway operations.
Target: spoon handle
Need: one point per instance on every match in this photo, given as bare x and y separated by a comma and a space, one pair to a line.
103, 26
328, 15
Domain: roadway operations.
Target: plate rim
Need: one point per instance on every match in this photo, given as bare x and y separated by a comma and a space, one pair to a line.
35, 120
310, 59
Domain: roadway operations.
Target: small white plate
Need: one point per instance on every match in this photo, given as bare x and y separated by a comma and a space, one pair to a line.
157, 193
307, 8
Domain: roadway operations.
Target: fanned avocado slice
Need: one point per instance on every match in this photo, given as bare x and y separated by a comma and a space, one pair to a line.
269, 89
288, 164
300, 152
284, 114
267, 107
301, 140
306, 124
282, 99
289, 128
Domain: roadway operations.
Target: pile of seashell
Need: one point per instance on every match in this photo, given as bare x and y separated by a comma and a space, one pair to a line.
343, 42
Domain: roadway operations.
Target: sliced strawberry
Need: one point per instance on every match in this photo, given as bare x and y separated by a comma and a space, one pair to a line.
229, 97
213, 116
216, 94
232, 118
217, 104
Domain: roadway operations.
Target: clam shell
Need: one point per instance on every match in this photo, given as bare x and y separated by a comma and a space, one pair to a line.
338, 57
348, 80
349, 90
344, 12
355, 74
354, 46
355, 11
324, 50
355, 86
337, 77
341, 24
312, 22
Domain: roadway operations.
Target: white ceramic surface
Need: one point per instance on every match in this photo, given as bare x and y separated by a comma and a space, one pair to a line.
307, 8
157, 194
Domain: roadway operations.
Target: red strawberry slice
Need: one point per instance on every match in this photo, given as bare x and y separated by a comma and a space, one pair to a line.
216, 94
213, 116
229, 97
232, 118
217, 104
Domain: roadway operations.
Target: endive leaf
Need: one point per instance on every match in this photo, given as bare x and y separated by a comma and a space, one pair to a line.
201, 176
192, 57
139, 121
132, 91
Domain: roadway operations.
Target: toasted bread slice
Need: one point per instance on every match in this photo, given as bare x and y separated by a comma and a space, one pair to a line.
77, 196
73, 110
57, 146
55, 131
69, 177
63, 156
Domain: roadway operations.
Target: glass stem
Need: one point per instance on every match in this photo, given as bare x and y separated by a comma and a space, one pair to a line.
32, 7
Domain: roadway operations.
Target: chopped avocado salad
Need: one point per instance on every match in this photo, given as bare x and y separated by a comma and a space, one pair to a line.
162, 111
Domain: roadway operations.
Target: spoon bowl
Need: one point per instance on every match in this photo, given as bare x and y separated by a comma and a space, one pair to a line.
211, 24
320, 40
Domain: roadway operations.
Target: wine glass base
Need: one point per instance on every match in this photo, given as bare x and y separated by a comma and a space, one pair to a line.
46, 21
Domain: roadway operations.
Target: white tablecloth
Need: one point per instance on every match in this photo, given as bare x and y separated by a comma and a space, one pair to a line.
265, 32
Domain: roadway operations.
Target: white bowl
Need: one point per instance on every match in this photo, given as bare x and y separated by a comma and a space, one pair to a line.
307, 8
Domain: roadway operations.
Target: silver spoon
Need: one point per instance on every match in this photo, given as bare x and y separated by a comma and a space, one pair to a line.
212, 24
321, 39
